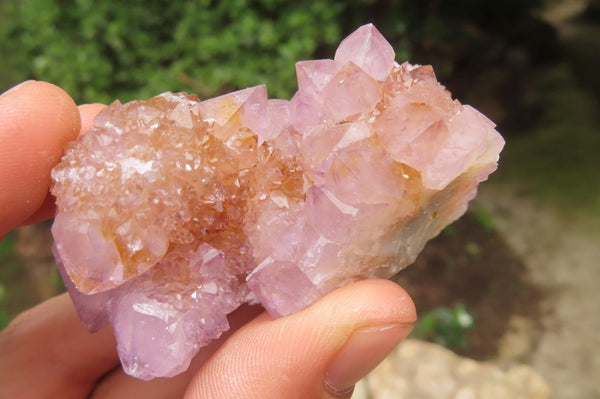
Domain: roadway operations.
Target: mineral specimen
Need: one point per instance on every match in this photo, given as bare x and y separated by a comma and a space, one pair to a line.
173, 212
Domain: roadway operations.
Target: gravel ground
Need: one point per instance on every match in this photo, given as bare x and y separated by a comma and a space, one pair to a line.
563, 256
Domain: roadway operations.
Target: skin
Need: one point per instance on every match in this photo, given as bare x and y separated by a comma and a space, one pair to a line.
319, 352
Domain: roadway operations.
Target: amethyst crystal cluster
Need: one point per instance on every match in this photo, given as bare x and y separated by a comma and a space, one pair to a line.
173, 212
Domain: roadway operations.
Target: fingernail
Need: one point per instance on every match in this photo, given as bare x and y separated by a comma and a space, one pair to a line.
362, 352
16, 88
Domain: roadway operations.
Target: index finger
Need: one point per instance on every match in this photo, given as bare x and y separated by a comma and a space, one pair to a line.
37, 119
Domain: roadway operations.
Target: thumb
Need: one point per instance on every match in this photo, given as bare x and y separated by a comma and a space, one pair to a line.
320, 352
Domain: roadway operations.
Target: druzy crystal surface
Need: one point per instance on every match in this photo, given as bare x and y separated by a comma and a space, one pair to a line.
173, 212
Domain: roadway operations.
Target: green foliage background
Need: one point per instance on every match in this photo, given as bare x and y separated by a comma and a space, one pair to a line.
99, 50
7, 245
106, 49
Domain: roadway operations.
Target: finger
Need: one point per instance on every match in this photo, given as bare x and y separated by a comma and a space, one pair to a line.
118, 385
87, 112
320, 352
48, 353
37, 119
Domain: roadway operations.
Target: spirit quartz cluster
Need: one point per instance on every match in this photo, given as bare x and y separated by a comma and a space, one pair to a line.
173, 212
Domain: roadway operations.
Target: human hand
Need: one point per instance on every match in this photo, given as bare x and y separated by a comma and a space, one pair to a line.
319, 352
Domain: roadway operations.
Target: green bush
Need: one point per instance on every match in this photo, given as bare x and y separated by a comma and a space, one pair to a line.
106, 49
101, 50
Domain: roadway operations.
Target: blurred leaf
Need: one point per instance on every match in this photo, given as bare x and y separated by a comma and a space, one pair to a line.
446, 326
473, 249
7, 245
4, 319
58, 283
4, 316
485, 219
450, 230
